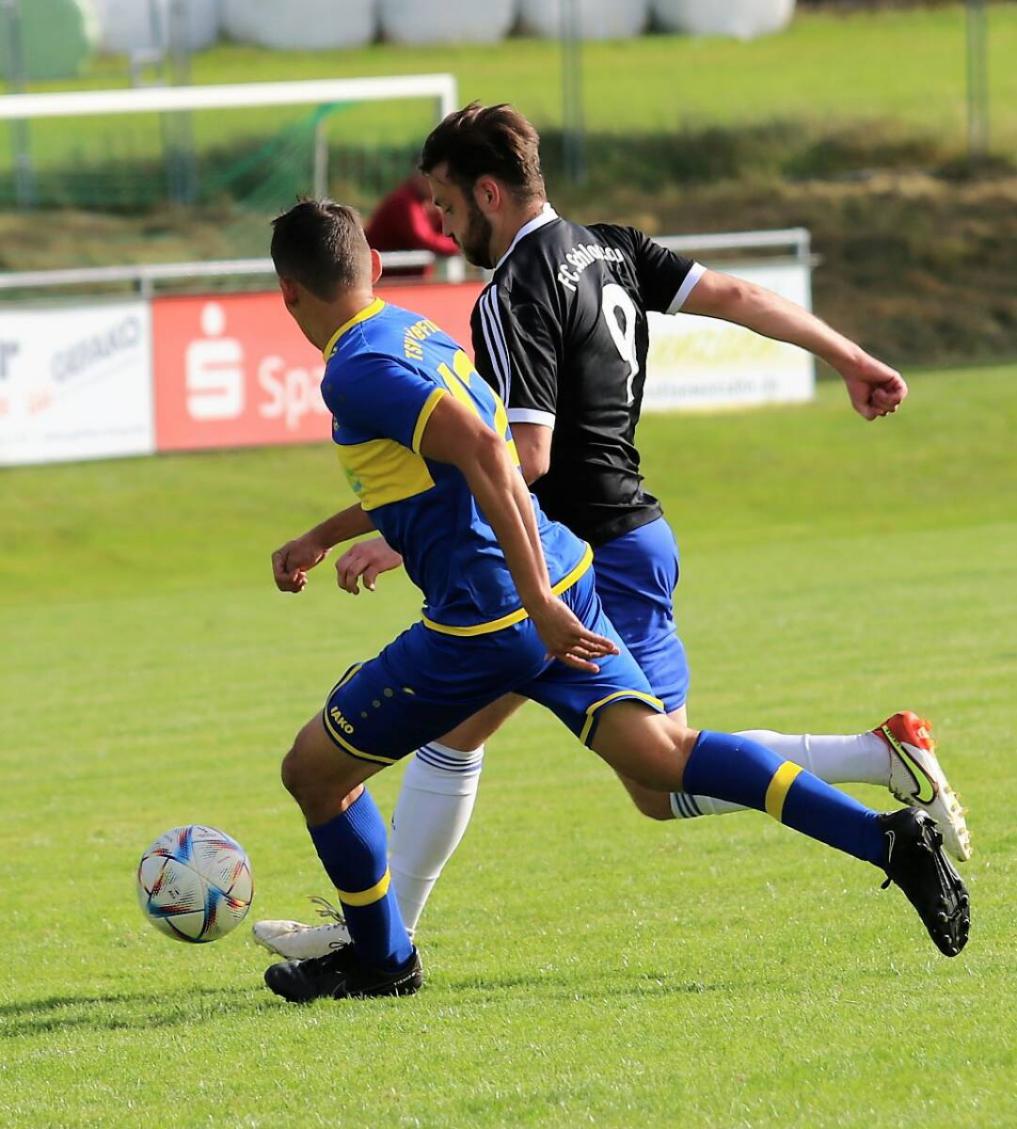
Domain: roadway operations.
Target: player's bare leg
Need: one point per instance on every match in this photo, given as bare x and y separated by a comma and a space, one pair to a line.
435, 804
321, 778
652, 802
483, 724
349, 835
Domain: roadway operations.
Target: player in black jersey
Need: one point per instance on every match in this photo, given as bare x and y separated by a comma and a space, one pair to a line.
561, 333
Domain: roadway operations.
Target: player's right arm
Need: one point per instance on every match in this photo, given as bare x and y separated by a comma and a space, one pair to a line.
455, 435
874, 388
533, 445
292, 561
517, 346
672, 284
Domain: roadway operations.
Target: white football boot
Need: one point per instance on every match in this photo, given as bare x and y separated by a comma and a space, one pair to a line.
296, 941
917, 779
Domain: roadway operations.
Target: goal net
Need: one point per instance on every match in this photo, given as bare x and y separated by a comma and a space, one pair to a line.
243, 151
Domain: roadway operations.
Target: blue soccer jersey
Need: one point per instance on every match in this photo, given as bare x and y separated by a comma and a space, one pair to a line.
385, 371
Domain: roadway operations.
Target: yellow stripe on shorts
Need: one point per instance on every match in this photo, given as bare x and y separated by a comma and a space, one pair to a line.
367, 897
618, 695
778, 788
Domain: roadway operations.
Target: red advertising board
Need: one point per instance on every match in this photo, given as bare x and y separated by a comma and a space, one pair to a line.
235, 371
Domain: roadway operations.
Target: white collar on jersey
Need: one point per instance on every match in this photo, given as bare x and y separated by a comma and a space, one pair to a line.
545, 215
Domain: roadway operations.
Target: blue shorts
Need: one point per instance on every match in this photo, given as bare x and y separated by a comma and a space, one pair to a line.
636, 578
425, 683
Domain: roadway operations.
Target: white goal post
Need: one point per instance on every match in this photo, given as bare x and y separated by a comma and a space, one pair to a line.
240, 96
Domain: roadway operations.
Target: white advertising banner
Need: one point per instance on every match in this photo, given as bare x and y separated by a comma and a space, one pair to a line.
75, 382
697, 362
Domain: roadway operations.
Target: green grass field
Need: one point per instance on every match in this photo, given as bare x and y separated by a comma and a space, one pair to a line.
585, 966
904, 67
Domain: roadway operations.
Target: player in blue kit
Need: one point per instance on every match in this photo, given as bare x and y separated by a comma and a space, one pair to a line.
510, 606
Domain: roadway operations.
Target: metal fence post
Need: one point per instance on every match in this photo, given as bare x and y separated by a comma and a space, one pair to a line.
24, 176
978, 79
573, 130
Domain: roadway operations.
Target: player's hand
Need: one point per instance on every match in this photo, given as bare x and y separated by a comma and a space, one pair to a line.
365, 562
875, 389
567, 639
291, 563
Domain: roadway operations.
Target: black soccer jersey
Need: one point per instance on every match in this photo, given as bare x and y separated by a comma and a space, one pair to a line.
561, 333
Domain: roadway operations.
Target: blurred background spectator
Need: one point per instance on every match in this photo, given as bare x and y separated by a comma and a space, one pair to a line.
406, 220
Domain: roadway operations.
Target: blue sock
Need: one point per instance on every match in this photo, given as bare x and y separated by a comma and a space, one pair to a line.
747, 773
352, 849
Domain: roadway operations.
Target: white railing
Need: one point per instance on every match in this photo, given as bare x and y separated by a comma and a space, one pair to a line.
147, 276
796, 239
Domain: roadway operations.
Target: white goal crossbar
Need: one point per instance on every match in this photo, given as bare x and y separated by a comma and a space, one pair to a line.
25, 107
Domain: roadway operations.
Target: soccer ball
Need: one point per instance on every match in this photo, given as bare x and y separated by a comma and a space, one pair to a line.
194, 883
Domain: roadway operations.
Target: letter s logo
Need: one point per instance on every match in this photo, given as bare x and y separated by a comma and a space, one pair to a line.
213, 370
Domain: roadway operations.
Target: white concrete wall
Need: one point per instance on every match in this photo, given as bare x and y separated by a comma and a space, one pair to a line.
301, 25
742, 19
446, 21
131, 25
598, 19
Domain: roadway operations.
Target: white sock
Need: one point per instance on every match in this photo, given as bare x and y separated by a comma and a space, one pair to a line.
861, 758
430, 817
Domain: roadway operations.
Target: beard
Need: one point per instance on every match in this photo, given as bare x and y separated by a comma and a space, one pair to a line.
476, 241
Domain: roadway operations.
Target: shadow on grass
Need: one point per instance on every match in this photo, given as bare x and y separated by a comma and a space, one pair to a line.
148, 1011
633, 986
140, 1011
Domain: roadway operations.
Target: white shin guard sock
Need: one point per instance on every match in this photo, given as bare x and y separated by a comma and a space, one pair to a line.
859, 758
431, 815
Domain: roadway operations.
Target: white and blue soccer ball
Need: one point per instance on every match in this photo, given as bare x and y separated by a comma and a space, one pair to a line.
194, 883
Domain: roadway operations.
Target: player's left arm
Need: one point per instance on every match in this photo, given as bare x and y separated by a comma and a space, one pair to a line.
455, 435
292, 561
364, 562
874, 388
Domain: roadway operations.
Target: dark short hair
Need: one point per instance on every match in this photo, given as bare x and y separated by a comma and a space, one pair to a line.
321, 245
487, 141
